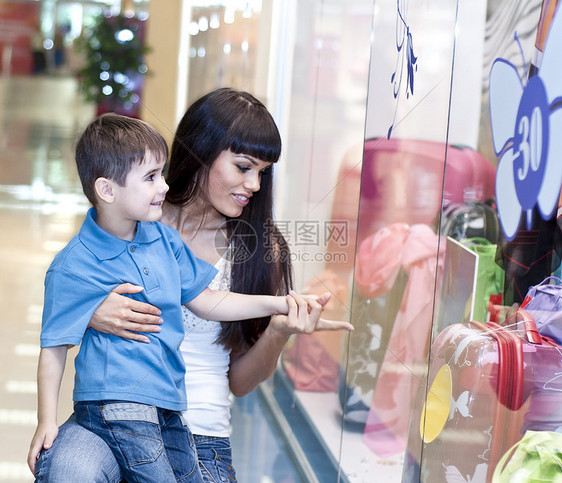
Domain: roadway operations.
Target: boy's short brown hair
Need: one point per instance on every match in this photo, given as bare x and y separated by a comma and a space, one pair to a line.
111, 145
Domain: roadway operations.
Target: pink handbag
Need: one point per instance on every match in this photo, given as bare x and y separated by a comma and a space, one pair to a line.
309, 366
405, 361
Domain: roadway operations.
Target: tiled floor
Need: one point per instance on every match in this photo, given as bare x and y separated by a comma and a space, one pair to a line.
41, 207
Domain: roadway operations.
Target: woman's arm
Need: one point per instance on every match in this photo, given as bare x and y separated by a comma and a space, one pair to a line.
250, 368
124, 317
257, 364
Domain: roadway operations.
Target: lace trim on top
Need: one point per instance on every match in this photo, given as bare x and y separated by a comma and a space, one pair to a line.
194, 324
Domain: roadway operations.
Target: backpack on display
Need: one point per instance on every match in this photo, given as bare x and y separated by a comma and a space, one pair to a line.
544, 303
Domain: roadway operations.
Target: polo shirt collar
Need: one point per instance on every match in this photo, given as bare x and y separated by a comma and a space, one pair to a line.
105, 246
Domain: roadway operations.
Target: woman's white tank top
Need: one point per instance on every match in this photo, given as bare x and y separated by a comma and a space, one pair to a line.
207, 364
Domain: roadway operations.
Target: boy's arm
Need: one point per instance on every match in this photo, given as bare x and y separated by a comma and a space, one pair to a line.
229, 306
49, 377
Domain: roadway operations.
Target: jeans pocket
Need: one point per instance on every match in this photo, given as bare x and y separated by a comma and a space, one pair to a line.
135, 429
215, 459
80, 410
223, 465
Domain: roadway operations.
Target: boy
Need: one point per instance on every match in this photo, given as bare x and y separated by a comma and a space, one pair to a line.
131, 395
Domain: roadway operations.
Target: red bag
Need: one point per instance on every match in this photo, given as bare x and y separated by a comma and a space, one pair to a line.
312, 361
494, 391
309, 365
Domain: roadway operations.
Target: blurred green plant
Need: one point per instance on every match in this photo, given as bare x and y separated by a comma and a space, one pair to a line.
114, 63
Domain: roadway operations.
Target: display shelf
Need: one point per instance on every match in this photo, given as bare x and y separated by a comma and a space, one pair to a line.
358, 462
311, 456
312, 421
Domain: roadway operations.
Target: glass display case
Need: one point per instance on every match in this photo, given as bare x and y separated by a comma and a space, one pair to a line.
418, 185
373, 127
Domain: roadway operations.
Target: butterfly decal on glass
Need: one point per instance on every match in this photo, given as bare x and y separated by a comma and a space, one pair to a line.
554, 383
460, 406
526, 123
453, 475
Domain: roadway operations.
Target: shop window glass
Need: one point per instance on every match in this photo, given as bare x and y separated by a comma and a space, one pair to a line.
497, 242
430, 253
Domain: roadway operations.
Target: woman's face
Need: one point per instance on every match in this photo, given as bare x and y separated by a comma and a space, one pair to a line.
233, 179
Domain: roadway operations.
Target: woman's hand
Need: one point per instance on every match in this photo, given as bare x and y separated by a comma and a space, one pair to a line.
304, 316
253, 366
124, 317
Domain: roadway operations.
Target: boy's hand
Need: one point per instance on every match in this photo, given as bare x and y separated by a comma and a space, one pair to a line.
325, 324
304, 316
45, 435
313, 300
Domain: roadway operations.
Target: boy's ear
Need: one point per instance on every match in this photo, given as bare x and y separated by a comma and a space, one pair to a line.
104, 190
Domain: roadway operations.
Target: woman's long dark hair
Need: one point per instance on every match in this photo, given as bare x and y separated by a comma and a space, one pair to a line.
227, 119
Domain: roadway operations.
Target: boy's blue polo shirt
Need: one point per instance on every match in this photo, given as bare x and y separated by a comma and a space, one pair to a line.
80, 278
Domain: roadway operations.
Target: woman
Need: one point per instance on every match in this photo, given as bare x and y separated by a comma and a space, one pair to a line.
220, 201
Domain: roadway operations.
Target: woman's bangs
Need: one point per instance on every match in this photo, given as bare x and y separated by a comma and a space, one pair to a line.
257, 139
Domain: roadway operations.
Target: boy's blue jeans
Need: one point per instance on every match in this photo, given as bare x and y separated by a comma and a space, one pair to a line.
78, 455
150, 444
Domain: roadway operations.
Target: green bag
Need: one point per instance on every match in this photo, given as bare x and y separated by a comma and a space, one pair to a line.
490, 276
536, 457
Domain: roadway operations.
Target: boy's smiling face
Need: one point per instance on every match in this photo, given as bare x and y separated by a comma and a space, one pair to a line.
142, 196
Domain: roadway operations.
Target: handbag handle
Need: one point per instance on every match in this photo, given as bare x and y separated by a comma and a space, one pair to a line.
529, 326
552, 277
